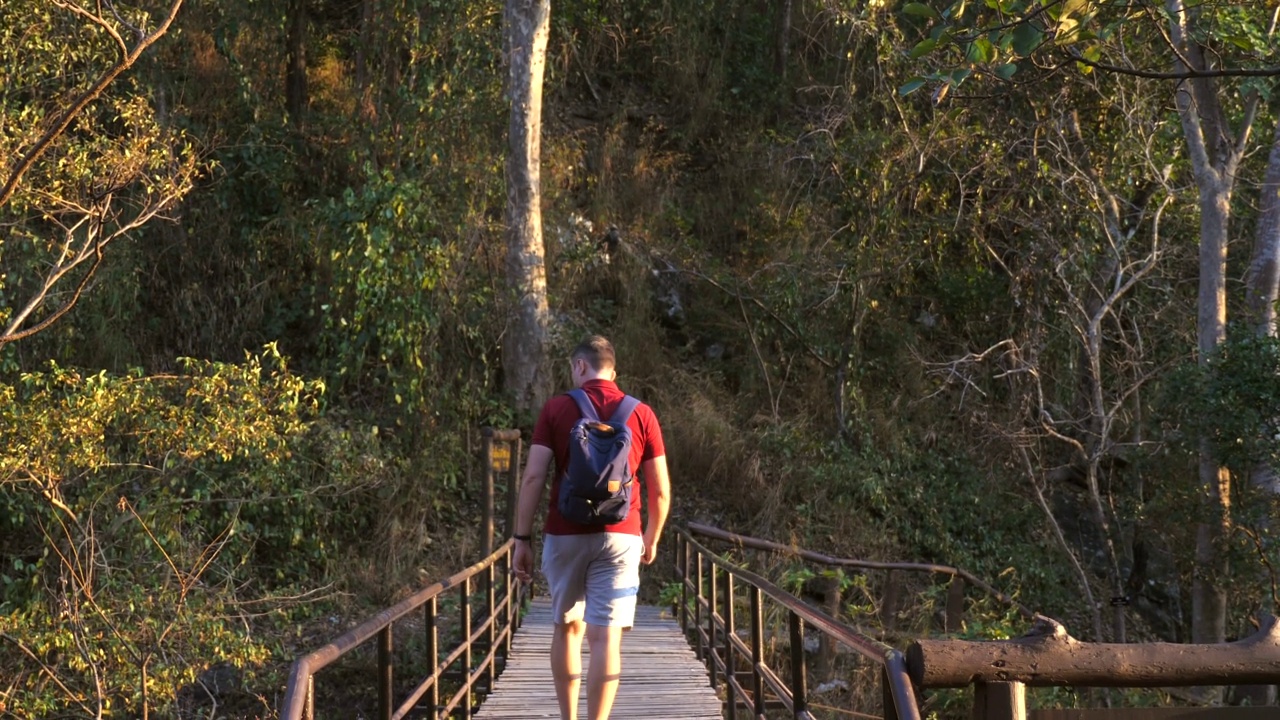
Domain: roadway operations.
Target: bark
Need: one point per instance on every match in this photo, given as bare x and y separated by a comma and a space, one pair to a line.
364, 89
1263, 283
1264, 268
784, 38
525, 343
295, 82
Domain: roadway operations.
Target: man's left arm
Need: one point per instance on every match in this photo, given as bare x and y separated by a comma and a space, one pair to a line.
530, 497
658, 490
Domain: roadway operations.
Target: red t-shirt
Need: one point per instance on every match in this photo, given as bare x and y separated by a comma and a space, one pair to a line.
552, 431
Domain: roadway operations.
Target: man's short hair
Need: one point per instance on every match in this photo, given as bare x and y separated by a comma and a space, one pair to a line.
596, 350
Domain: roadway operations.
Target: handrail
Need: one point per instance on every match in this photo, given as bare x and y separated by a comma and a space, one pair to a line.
299, 694
899, 695
759, 544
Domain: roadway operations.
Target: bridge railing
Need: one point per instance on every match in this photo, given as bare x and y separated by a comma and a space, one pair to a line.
958, 578
490, 637
709, 593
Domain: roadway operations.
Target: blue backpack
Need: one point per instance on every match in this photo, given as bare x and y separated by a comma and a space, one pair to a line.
596, 486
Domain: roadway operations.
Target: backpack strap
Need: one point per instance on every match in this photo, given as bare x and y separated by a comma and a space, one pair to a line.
584, 404
588, 410
625, 408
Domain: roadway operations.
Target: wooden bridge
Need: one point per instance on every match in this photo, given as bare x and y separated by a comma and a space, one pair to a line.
661, 676
712, 656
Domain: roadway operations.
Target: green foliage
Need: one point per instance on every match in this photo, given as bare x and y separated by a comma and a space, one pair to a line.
150, 507
993, 39
1230, 399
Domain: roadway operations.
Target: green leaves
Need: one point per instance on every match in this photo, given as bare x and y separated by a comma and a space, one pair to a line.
917, 9
1026, 38
924, 47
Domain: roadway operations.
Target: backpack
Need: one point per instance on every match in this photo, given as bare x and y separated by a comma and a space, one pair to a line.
595, 488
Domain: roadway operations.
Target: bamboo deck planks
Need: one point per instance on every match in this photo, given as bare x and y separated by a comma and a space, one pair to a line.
661, 677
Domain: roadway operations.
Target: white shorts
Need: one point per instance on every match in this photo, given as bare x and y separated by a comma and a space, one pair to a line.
593, 577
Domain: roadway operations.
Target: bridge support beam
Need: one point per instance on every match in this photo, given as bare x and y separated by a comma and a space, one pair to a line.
999, 701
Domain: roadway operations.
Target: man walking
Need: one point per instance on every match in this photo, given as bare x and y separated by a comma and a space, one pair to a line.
593, 570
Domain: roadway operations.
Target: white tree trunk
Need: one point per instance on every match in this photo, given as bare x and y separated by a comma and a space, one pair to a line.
1264, 267
524, 347
1263, 284
1215, 156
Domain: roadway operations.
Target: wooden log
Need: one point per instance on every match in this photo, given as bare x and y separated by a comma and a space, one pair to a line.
1048, 656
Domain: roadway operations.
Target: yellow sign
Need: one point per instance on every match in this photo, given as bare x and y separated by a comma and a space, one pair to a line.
500, 457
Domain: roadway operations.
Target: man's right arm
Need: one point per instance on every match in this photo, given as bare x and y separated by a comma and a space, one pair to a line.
531, 484
658, 485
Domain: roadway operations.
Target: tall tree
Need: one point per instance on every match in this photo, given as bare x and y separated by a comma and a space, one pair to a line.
528, 24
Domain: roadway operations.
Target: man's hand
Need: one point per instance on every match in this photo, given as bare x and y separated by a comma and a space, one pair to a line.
522, 562
650, 551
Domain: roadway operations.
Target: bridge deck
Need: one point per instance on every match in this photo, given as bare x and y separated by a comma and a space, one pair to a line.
661, 677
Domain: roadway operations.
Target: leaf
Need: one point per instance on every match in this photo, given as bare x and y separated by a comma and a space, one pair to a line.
980, 51
924, 47
959, 76
918, 9
1075, 8
1067, 31
1006, 71
956, 10
911, 86
1026, 38
1243, 42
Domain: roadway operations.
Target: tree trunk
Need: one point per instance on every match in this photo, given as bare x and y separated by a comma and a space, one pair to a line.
295, 82
1263, 284
1209, 598
1264, 268
525, 345
782, 48
1214, 161
364, 88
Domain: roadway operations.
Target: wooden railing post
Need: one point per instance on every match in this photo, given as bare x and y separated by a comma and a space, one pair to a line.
683, 555
433, 653
799, 680
711, 626
491, 676
999, 701
486, 546
757, 649
697, 612
510, 612
729, 665
464, 610
385, 673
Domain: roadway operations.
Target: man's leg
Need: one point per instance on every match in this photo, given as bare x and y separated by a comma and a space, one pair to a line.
606, 669
566, 666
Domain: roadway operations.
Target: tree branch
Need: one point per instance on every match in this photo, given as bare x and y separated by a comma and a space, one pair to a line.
88, 96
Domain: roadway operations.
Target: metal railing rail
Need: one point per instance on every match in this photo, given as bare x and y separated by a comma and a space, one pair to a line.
717, 644
491, 635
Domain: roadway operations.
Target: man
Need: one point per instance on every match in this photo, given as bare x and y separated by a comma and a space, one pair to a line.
593, 570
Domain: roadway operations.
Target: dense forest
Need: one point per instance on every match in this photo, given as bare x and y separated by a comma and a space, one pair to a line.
989, 284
